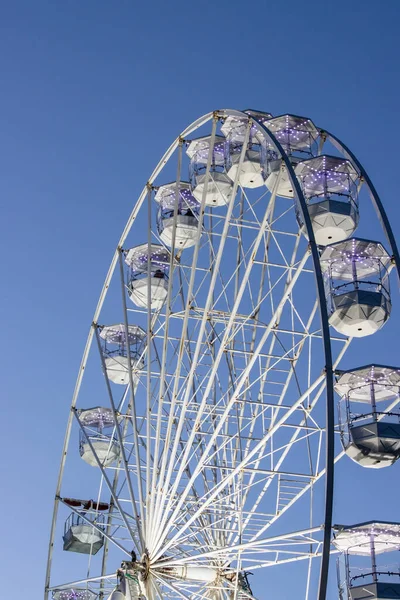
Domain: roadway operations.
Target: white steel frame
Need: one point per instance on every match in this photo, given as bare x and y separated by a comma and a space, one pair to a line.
211, 458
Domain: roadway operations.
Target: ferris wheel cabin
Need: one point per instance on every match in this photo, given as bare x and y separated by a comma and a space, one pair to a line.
177, 196
219, 185
330, 187
361, 569
117, 595
251, 173
357, 283
370, 436
80, 536
115, 351
129, 588
98, 425
148, 261
297, 136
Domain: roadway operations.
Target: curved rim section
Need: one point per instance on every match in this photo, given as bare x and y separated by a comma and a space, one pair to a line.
323, 309
373, 193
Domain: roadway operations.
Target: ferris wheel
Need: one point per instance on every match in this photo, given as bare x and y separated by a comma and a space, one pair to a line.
199, 454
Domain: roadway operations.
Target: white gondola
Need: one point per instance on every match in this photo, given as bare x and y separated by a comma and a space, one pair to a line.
356, 275
74, 593
141, 290
98, 426
370, 437
219, 186
178, 195
330, 187
297, 136
115, 352
117, 595
80, 536
362, 579
129, 588
252, 171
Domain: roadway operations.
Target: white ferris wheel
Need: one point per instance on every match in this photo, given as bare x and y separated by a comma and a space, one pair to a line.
200, 449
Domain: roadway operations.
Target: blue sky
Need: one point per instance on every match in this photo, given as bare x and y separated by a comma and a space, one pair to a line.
92, 94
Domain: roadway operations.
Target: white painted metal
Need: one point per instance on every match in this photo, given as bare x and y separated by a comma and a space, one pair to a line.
199, 150
186, 231
373, 460
158, 293
250, 173
115, 352
219, 189
330, 185
249, 168
148, 285
356, 384
118, 367
183, 228
86, 534
74, 594
219, 185
355, 539
285, 188
106, 450
224, 436
331, 221
189, 573
98, 424
356, 272
366, 392
297, 135
354, 317
117, 595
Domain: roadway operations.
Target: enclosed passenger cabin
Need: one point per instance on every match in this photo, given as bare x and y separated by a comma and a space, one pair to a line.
219, 186
116, 347
98, 433
73, 593
118, 594
330, 187
369, 428
148, 275
82, 537
298, 138
251, 174
177, 196
356, 275
368, 568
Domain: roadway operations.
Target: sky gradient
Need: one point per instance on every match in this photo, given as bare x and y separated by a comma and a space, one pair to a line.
93, 92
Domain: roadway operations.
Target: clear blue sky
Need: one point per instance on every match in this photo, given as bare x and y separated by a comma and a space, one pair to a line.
92, 92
